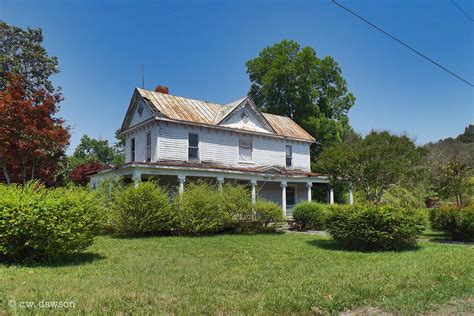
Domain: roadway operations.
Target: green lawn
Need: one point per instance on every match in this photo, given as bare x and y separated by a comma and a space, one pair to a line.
273, 273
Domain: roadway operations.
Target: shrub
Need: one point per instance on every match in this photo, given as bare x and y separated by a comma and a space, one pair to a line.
310, 215
142, 210
455, 222
44, 224
198, 210
267, 212
236, 201
369, 227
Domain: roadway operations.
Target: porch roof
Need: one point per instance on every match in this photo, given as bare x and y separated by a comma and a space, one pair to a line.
208, 166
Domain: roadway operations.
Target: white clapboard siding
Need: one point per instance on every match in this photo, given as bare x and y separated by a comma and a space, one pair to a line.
146, 114
223, 147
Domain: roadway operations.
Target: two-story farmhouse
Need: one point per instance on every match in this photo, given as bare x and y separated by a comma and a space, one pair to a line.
175, 139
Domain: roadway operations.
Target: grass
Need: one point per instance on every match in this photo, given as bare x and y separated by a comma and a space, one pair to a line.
254, 274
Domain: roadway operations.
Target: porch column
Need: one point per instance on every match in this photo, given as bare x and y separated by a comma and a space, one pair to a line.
283, 185
220, 182
351, 197
136, 178
309, 186
181, 180
331, 196
253, 185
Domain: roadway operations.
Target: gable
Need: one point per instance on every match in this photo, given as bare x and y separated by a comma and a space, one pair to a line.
138, 111
247, 117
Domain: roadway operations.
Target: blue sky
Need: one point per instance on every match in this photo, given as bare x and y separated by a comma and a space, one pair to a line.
199, 49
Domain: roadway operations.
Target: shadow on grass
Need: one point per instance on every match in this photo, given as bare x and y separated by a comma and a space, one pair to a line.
331, 244
66, 260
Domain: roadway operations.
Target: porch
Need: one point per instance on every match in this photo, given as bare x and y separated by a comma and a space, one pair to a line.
284, 187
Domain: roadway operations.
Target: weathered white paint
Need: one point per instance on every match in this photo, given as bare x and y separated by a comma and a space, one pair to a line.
221, 147
235, 120
283, 186
309, 187
331, 196
136, 177
220, 182
181, 180
146, 114
253, 185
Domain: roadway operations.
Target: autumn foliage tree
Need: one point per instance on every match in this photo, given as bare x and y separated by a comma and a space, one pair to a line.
32, 139
79, 174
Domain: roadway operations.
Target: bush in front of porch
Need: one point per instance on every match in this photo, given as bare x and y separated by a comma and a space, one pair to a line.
310, 215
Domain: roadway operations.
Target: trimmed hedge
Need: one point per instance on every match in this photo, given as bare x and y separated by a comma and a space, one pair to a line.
310, 215
143, 210
44, 224
370, 227
267, 212
457, 223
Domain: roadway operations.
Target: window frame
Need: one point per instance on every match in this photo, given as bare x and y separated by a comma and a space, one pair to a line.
132, 149
290, 157
148, 146
295, 194
198, 158
241, 140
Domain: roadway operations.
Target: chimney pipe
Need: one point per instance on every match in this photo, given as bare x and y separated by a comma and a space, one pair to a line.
161, 89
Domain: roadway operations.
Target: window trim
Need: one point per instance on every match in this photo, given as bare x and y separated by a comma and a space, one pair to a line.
148, 155
132, 149
290, 157
251, 150
198, 158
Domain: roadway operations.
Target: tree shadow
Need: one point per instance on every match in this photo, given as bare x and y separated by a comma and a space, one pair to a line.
333, 245
73, 259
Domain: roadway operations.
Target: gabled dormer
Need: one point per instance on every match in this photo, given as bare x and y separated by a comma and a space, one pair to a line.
139, 110
245, 116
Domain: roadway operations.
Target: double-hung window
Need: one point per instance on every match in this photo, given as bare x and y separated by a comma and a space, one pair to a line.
289, 155
132, 150
193, 146
148, 146
245, 150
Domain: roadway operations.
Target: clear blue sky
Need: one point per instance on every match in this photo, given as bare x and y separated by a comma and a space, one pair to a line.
199, 49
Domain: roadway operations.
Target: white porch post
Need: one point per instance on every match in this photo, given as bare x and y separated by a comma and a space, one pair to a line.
351, 196
331, 196
220, 182
181, 180
136, 178
309, 185
283, 185
253, 185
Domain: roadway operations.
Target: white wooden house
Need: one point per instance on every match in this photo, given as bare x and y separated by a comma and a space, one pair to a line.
176, 139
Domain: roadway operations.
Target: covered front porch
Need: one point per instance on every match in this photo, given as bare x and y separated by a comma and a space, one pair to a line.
284, 187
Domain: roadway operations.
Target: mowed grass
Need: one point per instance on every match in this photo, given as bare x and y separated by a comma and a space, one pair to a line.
254, 274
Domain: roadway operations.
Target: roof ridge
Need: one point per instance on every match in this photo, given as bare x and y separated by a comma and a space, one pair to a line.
182, 97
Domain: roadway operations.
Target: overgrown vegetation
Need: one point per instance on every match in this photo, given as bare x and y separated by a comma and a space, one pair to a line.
457, 223
371, 227
310, 215
44, 224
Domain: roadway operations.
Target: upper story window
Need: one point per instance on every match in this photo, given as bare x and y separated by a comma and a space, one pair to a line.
245, 150
289, 155
193, 146
148, 146
132, 149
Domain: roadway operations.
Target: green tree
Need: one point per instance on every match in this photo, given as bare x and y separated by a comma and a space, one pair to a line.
450, 165
22, 53
373, 163
90, 149
293, 81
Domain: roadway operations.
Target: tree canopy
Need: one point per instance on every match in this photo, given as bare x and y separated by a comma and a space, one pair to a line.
372, 163
294, 81
22, 53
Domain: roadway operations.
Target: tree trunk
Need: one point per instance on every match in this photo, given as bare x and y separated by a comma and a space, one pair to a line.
6, 174
23, 170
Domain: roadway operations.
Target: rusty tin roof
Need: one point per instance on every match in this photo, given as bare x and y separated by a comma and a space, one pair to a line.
208, 113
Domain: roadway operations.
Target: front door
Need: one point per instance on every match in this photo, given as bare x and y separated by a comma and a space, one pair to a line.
290, 197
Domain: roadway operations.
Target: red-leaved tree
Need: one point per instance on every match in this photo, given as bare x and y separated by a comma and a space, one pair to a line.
80, 172
32, 139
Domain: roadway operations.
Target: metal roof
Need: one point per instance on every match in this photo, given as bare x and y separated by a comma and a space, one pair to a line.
208, 113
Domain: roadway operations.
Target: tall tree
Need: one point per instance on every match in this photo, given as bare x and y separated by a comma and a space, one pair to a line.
22, 53
91, 149
32, 139
293, 81
373, 163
